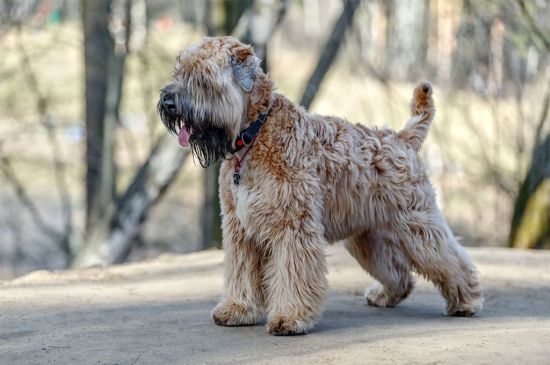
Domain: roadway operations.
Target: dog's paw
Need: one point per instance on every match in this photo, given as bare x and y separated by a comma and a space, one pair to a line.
466, 309
286, 326
230, 313
376, 296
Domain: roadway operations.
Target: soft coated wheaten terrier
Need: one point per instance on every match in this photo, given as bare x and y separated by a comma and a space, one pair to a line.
292, 182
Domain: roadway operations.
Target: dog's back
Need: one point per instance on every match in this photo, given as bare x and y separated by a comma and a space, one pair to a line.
365, 174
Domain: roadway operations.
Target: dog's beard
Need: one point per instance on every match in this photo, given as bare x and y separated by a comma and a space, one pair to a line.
209, 144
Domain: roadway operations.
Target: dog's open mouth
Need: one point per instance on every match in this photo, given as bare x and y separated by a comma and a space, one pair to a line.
184, 135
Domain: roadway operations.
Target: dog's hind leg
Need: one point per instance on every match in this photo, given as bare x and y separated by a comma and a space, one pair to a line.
242, 302
435, 254
380, 255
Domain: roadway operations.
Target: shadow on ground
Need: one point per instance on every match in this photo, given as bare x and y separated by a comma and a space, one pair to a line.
158, 313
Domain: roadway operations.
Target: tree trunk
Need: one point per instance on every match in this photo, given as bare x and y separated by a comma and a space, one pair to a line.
257, 25
104, 69
98, 51
407, 27
472, 55
233, 11
112, 240
390, 35
530, 222
329, 52
211, 211
104, 63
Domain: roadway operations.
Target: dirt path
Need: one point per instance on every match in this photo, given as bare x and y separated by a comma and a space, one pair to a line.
157, 312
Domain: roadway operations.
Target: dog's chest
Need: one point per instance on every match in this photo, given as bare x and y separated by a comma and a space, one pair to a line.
242, 194
243, 199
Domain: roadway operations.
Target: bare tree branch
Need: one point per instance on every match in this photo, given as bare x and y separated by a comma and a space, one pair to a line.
533, 26
490, 167
329, 52
148, 93
372, 71
257, 25
26, 201
45, 121
111, 240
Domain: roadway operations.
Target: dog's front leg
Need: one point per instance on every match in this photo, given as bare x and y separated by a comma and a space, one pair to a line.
242, 301
295, 278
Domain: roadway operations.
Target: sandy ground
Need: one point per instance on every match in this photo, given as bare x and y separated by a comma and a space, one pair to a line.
157, 312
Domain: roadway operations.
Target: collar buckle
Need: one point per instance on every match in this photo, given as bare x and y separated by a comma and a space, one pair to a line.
246, 137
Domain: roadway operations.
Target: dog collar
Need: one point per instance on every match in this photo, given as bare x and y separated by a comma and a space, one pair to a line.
247, 135
246, 139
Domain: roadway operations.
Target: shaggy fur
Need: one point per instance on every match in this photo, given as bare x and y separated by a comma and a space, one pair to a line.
308, 181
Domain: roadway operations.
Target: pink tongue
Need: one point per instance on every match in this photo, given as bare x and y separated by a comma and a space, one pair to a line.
183, 137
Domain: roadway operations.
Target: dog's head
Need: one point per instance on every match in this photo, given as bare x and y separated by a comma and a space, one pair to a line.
217, 89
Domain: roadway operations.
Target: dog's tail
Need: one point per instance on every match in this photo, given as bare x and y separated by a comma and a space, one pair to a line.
422, 113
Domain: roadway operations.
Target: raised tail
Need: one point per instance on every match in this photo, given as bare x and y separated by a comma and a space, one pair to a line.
422, 113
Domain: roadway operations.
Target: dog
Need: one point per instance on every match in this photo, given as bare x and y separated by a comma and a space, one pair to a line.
291, 183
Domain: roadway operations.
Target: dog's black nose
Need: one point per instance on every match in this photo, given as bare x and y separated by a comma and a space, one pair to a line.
169, 102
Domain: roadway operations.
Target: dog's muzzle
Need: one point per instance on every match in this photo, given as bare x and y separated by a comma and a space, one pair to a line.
169, 103
169, 111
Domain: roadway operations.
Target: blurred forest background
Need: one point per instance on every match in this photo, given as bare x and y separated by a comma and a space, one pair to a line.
88, 175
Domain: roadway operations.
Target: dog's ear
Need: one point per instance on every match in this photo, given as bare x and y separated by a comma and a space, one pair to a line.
245, 66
